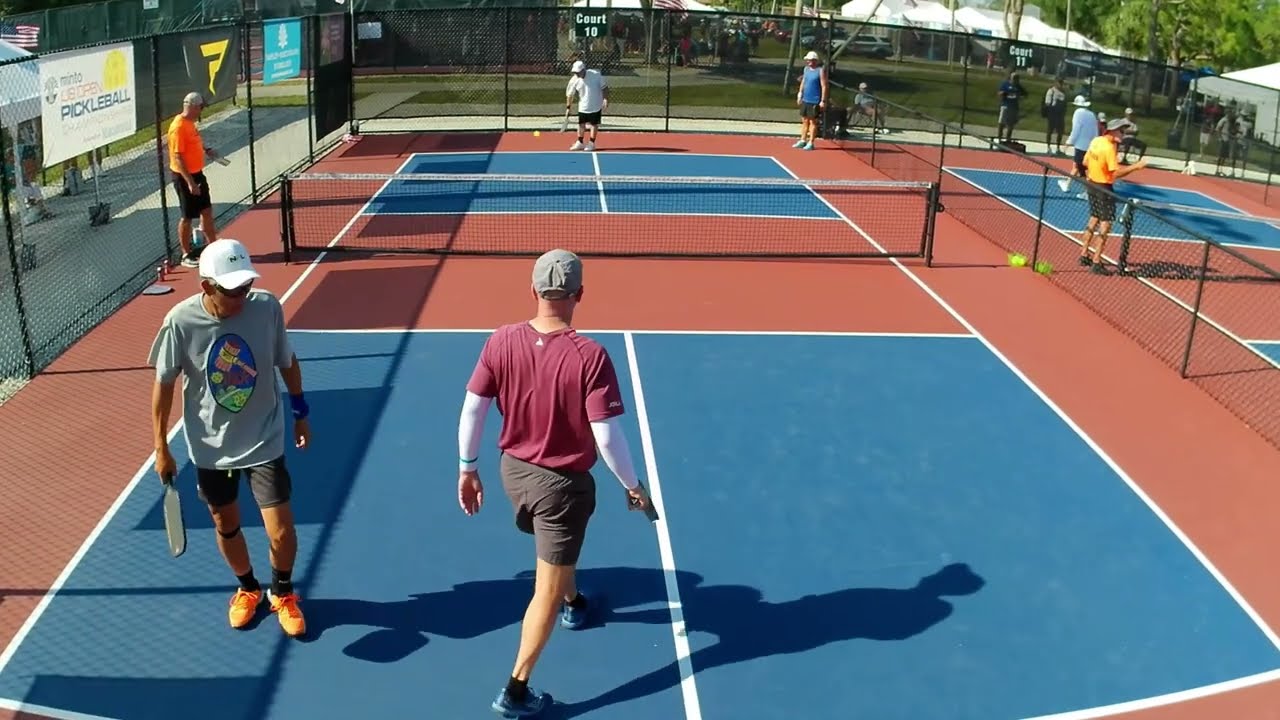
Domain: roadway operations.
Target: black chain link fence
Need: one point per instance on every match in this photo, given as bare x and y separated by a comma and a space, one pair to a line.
83, 236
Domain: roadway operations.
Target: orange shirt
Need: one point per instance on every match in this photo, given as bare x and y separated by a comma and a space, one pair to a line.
184, 140
1101, 160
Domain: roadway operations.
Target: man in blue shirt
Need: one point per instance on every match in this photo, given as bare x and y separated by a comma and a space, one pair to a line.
812, 99
1011, 91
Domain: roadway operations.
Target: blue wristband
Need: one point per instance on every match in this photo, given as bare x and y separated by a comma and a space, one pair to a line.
299, 405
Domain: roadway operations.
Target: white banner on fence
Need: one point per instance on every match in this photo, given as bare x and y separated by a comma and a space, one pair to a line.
88, 100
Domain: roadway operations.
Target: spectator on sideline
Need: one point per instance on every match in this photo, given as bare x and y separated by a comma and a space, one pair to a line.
1011, 93
1130, 140
1102, 168
865, 104
186, 160
1084, 128
1055, 113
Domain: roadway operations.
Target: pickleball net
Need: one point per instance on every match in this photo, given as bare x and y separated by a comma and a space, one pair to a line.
625, 216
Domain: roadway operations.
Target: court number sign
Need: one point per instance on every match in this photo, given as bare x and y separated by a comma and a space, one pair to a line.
1022, 56
590, 25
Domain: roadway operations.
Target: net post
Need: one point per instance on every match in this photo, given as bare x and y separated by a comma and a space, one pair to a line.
24, 327
246, 41
1195, 311
1122, 260
286, 216
161, 165
1044, 193
874, 132
931, 216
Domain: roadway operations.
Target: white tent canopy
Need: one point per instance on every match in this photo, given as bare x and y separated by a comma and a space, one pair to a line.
690, 5
1259, 87
19, 86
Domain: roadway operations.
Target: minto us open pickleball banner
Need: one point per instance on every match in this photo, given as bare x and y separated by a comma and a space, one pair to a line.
87, 100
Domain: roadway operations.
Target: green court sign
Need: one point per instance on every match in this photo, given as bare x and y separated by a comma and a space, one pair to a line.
590, 24
1022, 56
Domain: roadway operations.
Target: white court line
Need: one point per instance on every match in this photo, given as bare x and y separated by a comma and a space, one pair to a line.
1263, 342
55, 713
1172, 298
688, 686
491, 153
585, 331
1162, 700
595, 163
12, 648
1093, 445
818, 218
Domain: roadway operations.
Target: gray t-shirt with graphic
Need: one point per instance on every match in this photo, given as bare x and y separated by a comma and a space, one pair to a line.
233, 417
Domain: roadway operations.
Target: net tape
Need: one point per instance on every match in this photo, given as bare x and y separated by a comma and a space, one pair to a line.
785, 182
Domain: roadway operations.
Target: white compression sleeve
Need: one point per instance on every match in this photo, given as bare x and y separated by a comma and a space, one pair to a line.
471, 428
617, 454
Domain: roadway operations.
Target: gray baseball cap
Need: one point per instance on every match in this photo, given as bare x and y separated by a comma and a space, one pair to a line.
557, 274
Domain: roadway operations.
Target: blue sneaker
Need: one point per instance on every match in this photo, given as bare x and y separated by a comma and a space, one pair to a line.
572, 618
807, 146
534, 702
799, 144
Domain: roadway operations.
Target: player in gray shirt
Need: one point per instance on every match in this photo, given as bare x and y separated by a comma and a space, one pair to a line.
221, 341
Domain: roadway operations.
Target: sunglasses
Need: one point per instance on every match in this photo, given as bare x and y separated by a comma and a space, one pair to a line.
236, 293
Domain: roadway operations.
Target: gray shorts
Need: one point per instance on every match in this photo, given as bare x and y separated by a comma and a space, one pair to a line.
270, 483
552, 506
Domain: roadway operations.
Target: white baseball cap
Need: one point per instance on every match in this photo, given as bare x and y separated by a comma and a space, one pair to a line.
226, 262
579, 66
811, 55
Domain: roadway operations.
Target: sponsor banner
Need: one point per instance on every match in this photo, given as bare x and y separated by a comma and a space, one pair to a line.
213, 62
88, 99
281, 50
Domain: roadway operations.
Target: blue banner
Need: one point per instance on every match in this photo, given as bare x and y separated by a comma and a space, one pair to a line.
281, 50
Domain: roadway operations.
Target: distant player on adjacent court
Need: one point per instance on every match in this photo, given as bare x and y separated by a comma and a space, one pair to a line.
592, 91
812, 99
1102, 170
226, 342
187, 155
559, 398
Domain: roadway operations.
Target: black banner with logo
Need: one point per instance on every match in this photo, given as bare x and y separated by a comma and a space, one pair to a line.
332, 53
206, 61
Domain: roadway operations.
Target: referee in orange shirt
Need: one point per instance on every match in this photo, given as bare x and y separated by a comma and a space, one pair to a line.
1102, 170
186, 162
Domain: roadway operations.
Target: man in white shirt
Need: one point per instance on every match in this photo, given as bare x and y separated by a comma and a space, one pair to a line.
1084, 128
593, 97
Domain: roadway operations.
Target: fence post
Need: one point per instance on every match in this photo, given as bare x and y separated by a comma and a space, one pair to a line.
1044, 193
964, 87
666, 114
246, 41
1195, 311
161, 164
506, 69
15, 258
309, 57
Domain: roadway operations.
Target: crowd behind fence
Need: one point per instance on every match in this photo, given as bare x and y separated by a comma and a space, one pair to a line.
83, 234
1195, 304
505, 68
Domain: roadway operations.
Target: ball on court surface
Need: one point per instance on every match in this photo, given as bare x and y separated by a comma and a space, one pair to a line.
1017, 260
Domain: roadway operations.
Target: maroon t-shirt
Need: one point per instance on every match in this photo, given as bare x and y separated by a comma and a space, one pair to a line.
549, 388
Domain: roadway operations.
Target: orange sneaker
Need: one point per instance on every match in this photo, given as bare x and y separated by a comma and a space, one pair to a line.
243, 605
288, 613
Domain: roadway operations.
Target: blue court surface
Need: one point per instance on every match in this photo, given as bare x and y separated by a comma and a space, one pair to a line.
860, 526
1269, 348
1068, 213
449, 197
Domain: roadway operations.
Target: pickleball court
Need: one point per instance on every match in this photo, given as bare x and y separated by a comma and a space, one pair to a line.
848, 530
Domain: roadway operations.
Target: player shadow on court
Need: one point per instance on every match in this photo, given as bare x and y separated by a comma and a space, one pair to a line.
468, 610
748, 627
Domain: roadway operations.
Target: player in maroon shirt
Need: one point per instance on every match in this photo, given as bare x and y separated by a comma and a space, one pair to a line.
558, 395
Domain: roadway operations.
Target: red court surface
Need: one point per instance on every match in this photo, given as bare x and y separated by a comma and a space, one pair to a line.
78, 433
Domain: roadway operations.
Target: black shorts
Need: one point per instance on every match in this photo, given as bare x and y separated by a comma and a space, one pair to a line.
192, 205
552, 506
809, 110
1057, 123
1080, 161
591, 118
270, 483
1102, 204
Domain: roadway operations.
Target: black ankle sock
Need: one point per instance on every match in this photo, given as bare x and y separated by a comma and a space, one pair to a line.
281, 582
578, 602
517, 689
249, 582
